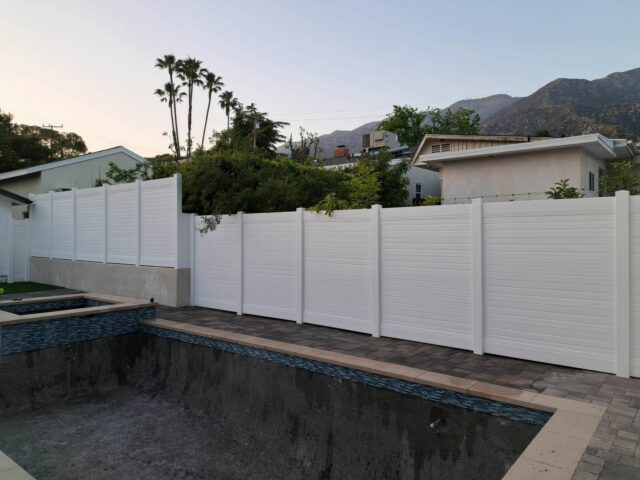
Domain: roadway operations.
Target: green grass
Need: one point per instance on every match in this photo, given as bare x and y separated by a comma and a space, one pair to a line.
25, 287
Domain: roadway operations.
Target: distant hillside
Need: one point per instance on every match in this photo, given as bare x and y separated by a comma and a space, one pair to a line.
486, 106
609, 105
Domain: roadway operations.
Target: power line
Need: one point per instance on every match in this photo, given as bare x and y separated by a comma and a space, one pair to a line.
51, 127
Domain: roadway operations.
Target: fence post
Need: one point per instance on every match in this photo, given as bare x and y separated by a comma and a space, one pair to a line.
300, 265
376, 299
74, 211
239, 219
27, 246
105, 231
477, 250
177, 178
192, 260
50, 224
139, 222
622, 281
10, 247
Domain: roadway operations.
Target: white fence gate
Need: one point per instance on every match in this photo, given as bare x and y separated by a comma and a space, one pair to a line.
14, 257
551, 281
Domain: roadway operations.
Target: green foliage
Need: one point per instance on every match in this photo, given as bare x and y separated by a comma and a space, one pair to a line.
26, 145
252, 132
432, 200
562, 189
329, 204
622, 178
542, 133
161, 166
406, 122
411, 124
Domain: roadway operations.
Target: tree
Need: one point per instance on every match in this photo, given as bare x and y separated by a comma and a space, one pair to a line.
305, 150
26, 145
406, 122
212, 84
190, 72
411, 124
251, 130
227, 103
171, 94
622, 178
169, 63
561, 189
160, 166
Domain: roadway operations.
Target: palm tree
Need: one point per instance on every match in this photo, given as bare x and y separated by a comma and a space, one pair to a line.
169, 63
227, 102
212, 84
189, 71
171, 94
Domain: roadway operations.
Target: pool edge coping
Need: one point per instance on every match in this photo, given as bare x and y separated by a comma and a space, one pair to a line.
114, 303
553, 454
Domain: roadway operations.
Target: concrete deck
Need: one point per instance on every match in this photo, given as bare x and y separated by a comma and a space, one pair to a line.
612, 453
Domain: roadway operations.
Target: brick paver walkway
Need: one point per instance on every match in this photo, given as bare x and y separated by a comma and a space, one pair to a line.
614, 451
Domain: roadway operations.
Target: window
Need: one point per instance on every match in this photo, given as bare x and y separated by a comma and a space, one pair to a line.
592, 182
418, 191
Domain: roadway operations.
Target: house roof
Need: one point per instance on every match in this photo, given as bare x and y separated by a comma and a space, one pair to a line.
596, 144
70, 161
14, 198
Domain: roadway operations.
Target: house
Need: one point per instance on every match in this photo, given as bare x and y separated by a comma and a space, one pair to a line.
503, 168
76, 172
377, 139
422, 182
7, 201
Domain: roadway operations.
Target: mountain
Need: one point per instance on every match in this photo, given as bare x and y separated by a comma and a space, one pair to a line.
486, 106
349, 138
609, 105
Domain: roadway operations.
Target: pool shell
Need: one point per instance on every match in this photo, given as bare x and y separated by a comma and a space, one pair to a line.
554, 453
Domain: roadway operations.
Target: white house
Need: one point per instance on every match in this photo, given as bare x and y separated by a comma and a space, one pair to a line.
76, 172
504, 168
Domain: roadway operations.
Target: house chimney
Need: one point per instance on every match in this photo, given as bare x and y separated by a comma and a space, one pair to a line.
341, 151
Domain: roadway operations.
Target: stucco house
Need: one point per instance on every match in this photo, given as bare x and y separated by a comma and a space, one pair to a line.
76, 172
504, 168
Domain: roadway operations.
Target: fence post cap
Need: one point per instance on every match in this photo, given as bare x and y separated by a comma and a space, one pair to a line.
622, 193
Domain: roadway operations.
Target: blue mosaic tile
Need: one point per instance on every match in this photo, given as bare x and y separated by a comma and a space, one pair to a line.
477, 404
25, 337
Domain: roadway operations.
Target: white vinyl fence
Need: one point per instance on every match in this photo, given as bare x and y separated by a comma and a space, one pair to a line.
138, 223
552, 281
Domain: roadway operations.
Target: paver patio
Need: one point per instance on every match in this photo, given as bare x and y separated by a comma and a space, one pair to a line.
614, 451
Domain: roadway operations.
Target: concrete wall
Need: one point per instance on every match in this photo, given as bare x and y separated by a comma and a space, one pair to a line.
168, 286
526, 175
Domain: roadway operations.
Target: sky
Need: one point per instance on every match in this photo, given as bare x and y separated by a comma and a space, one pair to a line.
330, 65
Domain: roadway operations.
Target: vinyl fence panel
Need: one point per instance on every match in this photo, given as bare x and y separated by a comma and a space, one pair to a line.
634, 230
549, 281
269, 263
337, 270
90, 219
426, 274
216, 265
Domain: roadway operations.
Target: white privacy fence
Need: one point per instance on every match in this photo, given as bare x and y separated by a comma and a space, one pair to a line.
138, 223
551, 281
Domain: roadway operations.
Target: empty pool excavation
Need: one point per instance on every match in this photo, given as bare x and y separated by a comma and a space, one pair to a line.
105, 401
